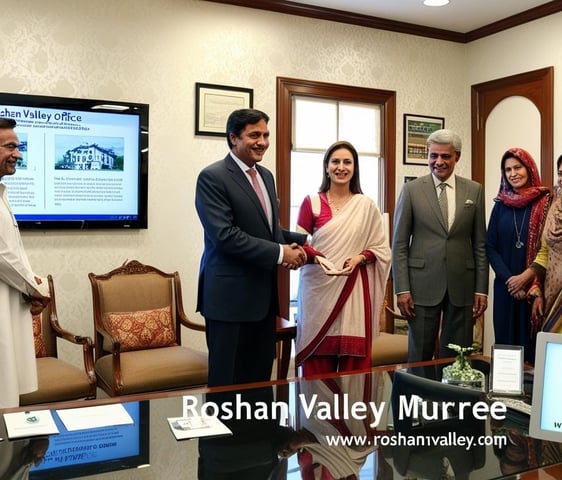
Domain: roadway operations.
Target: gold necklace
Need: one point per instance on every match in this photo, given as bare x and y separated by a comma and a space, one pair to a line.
339, 205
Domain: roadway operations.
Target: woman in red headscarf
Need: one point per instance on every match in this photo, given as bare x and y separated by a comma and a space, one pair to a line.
513, 240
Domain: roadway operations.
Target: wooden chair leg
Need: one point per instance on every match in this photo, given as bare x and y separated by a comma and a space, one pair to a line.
286, 333
283, 357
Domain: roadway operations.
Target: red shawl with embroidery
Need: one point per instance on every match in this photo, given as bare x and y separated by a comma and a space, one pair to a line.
533, 194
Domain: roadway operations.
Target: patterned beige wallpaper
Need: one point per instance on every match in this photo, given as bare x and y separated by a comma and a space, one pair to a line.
154, 52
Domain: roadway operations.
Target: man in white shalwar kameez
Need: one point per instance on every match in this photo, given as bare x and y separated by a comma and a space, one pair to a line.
22, 293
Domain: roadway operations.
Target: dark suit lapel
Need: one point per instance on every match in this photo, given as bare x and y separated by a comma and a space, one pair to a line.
240, 178
460, 199
270, 187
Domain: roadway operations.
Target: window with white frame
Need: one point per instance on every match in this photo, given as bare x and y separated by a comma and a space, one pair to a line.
316, 124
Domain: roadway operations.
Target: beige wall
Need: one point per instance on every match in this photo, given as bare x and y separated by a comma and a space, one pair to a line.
515, 122
154, 52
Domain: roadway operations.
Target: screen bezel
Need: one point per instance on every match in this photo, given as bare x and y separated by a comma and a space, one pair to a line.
539, 381
103, 106
103, 466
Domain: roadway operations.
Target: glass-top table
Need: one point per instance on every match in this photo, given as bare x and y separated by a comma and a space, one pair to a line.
345, 426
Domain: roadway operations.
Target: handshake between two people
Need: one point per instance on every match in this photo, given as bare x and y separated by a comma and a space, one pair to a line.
294, 256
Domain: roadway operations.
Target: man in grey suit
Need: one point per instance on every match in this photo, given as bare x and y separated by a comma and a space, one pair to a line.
439, 262
244, 244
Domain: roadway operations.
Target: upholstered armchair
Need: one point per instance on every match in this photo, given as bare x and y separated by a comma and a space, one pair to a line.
389, 347
59, 380
138, 315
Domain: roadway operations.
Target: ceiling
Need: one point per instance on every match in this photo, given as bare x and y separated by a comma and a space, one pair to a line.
460, 21
460, 16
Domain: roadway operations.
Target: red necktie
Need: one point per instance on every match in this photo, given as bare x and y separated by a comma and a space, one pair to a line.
257, 188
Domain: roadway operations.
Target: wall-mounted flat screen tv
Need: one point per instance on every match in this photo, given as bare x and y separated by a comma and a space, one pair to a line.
84, 162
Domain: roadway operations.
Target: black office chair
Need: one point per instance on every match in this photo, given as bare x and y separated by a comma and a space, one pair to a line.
428, 461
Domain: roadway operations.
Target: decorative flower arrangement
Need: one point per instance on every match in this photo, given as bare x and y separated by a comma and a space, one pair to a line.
461, 372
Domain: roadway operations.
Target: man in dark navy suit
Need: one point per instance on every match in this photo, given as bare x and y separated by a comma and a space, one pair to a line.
244, 243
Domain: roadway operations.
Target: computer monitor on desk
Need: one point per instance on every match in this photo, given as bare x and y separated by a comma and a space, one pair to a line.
546, 415
417, 459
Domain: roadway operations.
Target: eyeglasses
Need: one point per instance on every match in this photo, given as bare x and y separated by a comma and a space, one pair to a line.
10, 146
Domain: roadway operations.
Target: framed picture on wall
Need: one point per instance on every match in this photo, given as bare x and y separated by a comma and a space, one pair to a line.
417, 128
213, 105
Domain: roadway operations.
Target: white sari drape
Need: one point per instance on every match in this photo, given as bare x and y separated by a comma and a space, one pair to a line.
18, 369
357, 227
343, 461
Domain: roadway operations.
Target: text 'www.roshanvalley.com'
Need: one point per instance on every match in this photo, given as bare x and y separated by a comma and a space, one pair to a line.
451, 439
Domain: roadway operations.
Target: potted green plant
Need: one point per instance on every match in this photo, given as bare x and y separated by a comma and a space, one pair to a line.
461, 372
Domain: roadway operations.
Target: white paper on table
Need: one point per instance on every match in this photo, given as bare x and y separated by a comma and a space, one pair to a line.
30, 424
94, 417
196, 426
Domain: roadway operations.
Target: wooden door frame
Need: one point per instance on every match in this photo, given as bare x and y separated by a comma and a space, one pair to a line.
538, 87
289, 87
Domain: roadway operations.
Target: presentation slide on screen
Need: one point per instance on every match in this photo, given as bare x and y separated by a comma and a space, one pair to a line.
74, 163
93, 445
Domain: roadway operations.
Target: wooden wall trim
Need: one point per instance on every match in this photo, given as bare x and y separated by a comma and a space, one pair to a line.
520, 19
323, 13
538, 87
